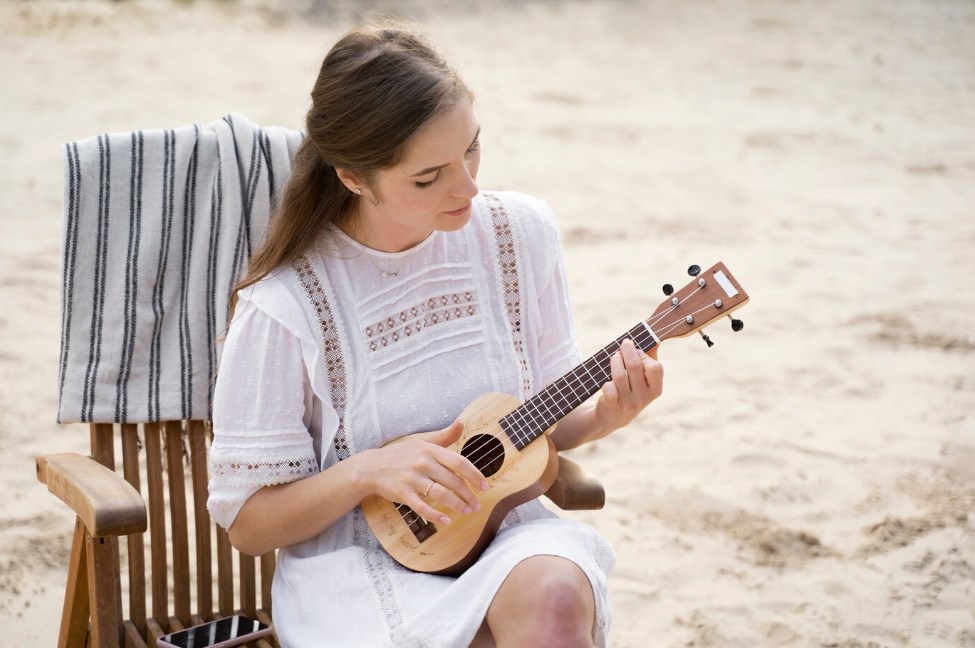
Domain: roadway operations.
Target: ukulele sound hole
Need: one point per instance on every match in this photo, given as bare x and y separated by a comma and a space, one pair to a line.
485, 452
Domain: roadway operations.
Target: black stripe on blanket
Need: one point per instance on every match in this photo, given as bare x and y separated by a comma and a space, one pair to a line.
70, 260
189, 220
266, 154
131, 273
253, 176
216, 209
242, 250
158, 302
241, 229
101, 254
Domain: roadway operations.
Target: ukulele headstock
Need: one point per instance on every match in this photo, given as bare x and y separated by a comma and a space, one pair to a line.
709, 296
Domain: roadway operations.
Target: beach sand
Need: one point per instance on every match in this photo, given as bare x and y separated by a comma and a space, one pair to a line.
809, 481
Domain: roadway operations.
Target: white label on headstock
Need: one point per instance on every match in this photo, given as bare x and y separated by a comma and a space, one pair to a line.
724, 283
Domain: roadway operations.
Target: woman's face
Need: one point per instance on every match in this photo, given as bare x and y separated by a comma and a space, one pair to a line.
429, 190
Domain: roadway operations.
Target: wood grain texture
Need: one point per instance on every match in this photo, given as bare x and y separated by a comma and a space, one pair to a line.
74, 616
105, 502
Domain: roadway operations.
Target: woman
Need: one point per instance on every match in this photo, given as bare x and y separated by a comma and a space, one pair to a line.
388, 295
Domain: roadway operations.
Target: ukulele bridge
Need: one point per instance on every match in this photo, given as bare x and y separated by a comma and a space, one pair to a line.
420, 528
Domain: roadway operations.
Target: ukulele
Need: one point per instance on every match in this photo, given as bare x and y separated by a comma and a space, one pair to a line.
509, 441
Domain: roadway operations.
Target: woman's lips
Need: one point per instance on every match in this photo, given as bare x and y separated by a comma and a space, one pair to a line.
459, 212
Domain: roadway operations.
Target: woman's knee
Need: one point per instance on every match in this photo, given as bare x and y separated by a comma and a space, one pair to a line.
550, 598
564, 595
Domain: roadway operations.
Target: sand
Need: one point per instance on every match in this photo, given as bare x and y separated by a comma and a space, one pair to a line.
809, 481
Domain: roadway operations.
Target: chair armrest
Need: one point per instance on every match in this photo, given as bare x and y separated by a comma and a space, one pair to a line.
574, 489
106, 504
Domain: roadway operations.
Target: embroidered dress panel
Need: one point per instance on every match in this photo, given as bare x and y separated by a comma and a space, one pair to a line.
510, 280
334, 357
420, 339
422, 315
434, 311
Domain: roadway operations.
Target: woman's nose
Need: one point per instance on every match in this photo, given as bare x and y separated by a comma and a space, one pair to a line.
467, 185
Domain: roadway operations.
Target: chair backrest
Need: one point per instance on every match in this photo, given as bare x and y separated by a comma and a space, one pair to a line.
158, 227
184, 571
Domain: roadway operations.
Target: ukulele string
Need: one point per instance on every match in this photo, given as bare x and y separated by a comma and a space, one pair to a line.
674, 307
536, 413
533, 414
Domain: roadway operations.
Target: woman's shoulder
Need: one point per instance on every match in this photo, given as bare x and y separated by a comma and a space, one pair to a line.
278, 294
271, 287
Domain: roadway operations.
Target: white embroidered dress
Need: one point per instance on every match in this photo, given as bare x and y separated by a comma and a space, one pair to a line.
330, 357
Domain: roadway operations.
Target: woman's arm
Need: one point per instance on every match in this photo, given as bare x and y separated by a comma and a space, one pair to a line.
284, 514
418, 471
637, 379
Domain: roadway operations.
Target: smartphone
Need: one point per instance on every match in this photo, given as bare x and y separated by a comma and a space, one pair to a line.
229, 631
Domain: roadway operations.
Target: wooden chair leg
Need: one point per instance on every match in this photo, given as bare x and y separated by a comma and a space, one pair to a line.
105, 624
74, 616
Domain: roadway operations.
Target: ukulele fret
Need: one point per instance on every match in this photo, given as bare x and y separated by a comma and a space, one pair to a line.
527, 422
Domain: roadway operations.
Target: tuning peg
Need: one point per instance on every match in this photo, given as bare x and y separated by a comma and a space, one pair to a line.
668, 290
736, 324
706, 339
694, 270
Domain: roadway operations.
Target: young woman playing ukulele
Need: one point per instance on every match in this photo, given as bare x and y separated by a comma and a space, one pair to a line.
389, 293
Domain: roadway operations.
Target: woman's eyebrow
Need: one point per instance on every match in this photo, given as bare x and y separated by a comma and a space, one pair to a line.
437, 168
427, 170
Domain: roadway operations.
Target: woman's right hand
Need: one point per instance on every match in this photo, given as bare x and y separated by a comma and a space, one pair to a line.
418, 470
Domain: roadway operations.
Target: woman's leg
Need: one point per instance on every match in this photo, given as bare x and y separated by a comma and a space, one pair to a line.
544, 601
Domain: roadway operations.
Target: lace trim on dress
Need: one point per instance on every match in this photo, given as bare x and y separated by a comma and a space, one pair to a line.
507, 259
332, 355
280, 464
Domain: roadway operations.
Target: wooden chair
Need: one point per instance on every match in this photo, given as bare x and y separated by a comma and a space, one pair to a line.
146, 558
181, 573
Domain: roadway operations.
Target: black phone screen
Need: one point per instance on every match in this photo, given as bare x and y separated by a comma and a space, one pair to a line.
214, 632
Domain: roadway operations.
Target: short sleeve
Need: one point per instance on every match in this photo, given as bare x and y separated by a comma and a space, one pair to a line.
261, 410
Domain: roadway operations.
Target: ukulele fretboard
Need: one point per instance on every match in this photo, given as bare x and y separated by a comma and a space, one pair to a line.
547, 407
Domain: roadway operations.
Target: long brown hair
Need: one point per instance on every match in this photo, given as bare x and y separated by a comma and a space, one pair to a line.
377, 86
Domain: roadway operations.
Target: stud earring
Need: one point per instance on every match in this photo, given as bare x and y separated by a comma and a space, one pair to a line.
357, 192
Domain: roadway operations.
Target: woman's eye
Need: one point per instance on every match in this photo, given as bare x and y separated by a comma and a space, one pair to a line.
423, 184
475, 146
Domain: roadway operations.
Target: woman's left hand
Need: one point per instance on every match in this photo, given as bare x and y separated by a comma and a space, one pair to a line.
636, 380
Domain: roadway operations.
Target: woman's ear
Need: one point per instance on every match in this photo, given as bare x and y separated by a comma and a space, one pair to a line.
351, 181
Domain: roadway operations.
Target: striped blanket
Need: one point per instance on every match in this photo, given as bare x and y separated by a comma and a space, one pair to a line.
158, 226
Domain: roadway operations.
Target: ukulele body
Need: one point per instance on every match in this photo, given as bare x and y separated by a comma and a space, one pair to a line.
515, 477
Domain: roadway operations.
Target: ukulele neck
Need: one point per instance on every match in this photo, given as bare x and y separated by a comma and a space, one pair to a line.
529, 421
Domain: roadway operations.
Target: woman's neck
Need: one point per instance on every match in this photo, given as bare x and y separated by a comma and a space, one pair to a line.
390, 239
